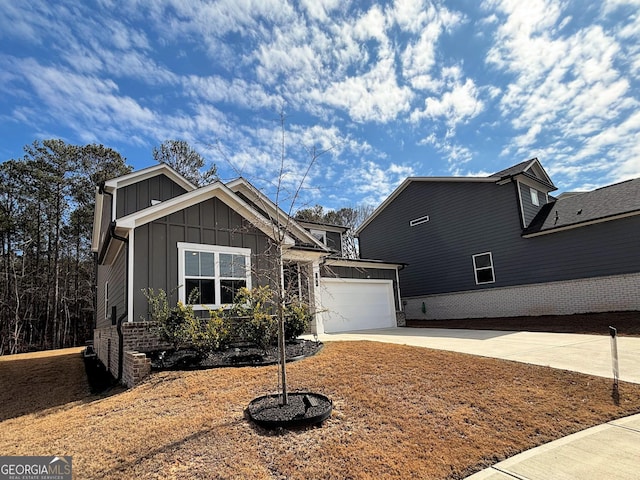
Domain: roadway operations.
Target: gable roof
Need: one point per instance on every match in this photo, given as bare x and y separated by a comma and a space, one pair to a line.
408, 181
114, 184
146, 173
531, 169
581, 209
238, 194
214, 190
270, 210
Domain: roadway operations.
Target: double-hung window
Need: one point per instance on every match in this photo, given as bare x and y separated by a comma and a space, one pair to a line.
320, 235
534, 197
483, 268
211, 275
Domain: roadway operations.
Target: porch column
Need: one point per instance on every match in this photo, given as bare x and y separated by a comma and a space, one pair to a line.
317, 326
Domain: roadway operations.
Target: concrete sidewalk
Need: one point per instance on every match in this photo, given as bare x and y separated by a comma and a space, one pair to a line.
608, 451
589, 354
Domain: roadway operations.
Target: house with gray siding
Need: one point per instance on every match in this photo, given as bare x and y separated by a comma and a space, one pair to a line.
503, 246
154, 229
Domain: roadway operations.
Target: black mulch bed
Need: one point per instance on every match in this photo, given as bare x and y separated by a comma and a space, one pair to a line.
302, 409
238, 355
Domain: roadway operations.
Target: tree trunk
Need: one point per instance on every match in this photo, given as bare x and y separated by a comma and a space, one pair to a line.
282, 348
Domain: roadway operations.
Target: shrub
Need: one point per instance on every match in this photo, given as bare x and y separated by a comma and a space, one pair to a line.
182, 328
214, 333
256, 324
169, 323
296, 320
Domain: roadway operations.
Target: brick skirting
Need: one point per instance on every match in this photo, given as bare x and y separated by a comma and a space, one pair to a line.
590, 295
138, 337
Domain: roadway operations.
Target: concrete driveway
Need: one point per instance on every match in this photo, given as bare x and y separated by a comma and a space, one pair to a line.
589, 354
611, 450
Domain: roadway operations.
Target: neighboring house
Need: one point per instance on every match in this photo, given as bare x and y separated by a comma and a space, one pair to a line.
154, 229
502, 246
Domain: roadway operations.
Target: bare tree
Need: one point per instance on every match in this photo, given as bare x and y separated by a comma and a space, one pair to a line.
182, 157
280, 218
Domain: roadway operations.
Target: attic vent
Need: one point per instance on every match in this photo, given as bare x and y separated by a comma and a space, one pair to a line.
418, 221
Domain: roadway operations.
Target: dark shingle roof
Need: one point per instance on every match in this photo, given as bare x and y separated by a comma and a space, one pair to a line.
532, 169
519, 168
617, 199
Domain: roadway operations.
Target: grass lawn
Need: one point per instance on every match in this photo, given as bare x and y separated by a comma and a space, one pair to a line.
399, 412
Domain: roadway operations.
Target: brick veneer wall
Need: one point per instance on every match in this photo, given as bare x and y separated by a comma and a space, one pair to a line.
105, 343
137, 337
136, 366
600, 294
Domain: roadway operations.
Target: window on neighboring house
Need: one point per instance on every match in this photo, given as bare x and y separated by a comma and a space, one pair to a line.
534, 197
215, 272
106, 299
483, 268
319, 235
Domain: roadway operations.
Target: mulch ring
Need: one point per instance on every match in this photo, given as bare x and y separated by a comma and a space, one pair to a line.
237, 355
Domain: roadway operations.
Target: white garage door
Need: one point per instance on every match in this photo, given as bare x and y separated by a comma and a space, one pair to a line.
350, 304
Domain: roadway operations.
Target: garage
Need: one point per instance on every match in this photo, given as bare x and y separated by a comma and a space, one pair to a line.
356, 304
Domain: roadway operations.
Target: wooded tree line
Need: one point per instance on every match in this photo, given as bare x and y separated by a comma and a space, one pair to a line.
47, 269
46, 266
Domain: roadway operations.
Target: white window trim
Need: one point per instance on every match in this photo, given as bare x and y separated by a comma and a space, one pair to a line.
535, 197
215, 249
320, 235
475, 269
106, 300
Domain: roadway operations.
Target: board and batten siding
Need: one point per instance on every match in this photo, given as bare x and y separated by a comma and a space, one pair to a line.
105, 219
114, 274
137, 196
474, 217
334, 241
210, 222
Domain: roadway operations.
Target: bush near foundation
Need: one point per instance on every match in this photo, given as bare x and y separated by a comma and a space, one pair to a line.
251, 318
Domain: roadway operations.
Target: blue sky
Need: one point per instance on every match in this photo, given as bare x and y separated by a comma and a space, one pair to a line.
390, 89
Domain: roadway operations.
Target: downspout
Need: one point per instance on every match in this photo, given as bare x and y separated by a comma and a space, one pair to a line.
115, 236
112, 233
400, 305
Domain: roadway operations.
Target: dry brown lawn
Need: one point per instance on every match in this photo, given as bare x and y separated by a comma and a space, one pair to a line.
399, 412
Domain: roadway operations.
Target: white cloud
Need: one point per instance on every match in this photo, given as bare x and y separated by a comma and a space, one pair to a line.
371, 25
419, 57
572, 94
373, 96
375, 182
456, 155
319, 9
457, 105
238, 92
